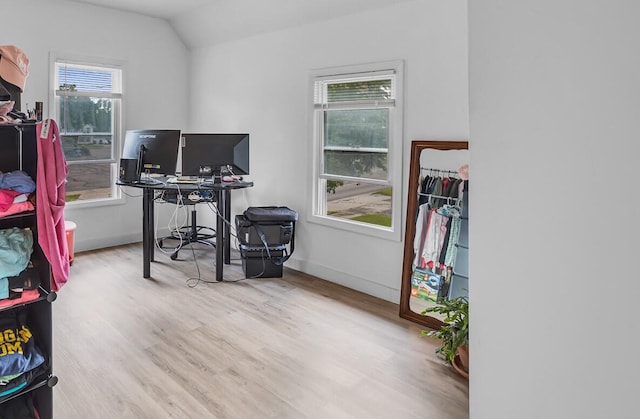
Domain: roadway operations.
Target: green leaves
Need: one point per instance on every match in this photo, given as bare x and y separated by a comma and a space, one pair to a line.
455, 332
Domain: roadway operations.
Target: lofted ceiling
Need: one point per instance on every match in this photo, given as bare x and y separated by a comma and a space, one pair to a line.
200, 23
165, 9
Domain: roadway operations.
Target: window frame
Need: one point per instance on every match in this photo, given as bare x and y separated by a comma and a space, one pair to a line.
317, 211
117, 198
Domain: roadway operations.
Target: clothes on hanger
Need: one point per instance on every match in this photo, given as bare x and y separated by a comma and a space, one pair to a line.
439, 187
438, 225
436, 234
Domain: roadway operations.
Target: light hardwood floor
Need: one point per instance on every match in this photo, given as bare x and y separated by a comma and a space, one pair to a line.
291, 347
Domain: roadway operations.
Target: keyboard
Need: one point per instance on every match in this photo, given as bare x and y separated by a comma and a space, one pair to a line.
183, 179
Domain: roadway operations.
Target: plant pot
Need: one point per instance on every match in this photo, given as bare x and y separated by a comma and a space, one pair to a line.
457, 365
461, 361
463, 354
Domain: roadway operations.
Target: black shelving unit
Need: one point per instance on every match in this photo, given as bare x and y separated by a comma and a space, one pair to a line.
18, 151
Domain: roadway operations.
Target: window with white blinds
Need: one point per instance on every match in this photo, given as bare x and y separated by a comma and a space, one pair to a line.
88, 102
357, 135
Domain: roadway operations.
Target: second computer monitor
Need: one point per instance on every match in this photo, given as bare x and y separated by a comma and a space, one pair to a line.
210, 155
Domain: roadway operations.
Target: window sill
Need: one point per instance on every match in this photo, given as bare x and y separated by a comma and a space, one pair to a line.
380, 232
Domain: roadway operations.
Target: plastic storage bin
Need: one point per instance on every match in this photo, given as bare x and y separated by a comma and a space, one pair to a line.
70, 230
257, 263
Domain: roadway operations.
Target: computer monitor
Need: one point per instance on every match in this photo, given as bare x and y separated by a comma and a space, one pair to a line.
213, 155
155, 150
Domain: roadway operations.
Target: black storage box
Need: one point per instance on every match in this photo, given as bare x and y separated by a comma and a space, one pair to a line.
257, 263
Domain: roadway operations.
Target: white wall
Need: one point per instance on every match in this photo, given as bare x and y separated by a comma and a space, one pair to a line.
155, 84
261, 85
221, 21
554, 111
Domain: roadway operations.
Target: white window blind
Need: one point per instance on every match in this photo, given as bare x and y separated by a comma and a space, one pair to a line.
82, 80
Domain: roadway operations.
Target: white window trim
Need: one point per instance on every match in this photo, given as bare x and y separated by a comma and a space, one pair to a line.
119, 198
394, 159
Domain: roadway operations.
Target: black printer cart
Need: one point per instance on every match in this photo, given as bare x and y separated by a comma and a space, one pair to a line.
267, 238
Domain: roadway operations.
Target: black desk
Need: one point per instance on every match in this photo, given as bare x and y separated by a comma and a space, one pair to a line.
222, 192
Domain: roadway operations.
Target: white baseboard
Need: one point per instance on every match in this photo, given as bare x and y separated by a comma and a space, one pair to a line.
346, 279
81, 245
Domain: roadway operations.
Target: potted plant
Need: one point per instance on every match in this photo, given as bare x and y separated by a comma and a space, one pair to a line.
454, 334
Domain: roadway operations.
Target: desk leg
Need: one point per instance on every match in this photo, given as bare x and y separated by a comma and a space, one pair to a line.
147, 231
219, 235
152, 230
227, 227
